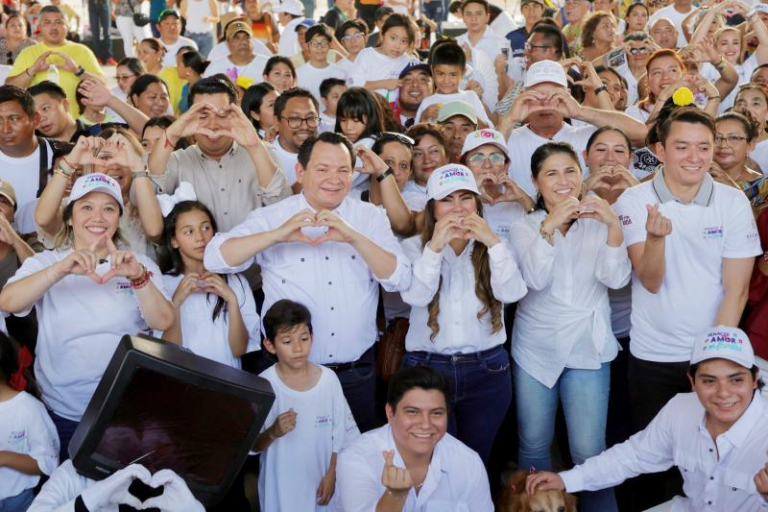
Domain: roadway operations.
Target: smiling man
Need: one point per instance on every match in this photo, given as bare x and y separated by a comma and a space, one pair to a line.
297, 116
415, 85
412, 463
329, 252
715, 436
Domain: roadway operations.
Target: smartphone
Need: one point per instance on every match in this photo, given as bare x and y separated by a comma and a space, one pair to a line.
505, 53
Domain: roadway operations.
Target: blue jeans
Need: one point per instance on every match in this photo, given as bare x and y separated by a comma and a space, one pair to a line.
359, 387
66, 429
99, 15
204, 42
480, 390
584, 395
18, 503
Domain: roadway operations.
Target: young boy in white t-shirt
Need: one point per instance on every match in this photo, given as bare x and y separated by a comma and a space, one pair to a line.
310, 421
331, 90
449, 64
310, 75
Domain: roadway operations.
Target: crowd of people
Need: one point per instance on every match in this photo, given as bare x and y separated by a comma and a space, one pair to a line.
540, 244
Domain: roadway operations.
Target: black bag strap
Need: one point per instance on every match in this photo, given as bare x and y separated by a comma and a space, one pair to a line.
43, 169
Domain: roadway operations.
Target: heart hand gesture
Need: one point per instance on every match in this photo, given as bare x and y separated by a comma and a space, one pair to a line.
396, 480
657, 225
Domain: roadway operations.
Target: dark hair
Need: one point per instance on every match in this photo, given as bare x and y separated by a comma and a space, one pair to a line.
389, 120
637, 37
193, 59
20, 96
47, 87
418, 131
142, 83
305, 152
541, 155
761, 66
358, 24
447, 54
327, 85
553, 36
399, 20
602, 130
134, 65
381, 12
12, 15
160, 121
750, 125
216, 84
632, 7
318, 29
690, 115
278, 59
285, 314
52, 9
289, 94
421, 377
155, 44
754, 371
454, 6
608, 69
9, 364
253, 98
484, 3
171, 262
359, 104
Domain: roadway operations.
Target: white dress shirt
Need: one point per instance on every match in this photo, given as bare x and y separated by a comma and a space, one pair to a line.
331, 279
460, 329
456, 479
565, 319
718, 475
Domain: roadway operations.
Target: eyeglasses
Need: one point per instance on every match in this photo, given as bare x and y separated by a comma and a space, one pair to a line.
353, 37
529, 47
296, 122
120, 78
384, 137
730, 140
493, 158
319, 44
639, 51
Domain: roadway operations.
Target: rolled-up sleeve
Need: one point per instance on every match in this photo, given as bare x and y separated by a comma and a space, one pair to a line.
278, 189
506, 281
213, 259
426, 273
536, 255
613, 267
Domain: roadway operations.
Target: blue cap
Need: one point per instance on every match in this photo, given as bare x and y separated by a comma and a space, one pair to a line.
306, 24
415, 66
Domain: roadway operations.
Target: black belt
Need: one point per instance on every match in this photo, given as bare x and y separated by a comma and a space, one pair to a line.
366, 359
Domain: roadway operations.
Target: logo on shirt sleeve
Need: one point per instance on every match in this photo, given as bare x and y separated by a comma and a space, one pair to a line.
625, 220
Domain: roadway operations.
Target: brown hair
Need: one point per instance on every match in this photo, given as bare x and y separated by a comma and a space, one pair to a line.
590, 25
664, 52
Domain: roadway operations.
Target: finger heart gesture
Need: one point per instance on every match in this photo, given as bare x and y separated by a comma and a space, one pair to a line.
657, 225
123, 263
396, 480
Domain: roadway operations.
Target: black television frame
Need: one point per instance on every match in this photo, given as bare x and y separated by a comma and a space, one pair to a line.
169, 359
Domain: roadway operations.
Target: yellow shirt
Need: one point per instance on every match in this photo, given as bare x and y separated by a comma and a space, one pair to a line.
81, 54
175, 84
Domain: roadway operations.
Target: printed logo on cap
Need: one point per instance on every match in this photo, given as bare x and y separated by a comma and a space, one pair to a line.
721, 341
97, 180
452, 175
490, 134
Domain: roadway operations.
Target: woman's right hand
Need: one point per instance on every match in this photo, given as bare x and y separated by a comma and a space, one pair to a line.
564, 211
85, 152
189, 284
446, 229
80, 263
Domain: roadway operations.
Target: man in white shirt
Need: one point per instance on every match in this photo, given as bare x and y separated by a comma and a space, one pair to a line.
412, 463
676, 13
664, 33
716, 436
329, 252
297, 116
169, 25
242, 60
545, 103
289, 13
693, 244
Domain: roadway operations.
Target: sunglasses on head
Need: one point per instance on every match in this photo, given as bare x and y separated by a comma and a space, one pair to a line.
639, 51
394, 136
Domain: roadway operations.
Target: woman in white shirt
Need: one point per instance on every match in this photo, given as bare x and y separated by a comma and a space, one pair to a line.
462, 275
570, 251
88, 294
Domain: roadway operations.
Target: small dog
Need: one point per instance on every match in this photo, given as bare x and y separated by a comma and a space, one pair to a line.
513, 498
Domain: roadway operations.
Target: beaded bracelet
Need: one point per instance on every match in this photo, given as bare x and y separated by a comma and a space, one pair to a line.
141, 281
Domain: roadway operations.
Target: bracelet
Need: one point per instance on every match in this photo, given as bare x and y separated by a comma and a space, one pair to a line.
141, 281
710, 98
600, 89
400, 496
80, 71
26, 72
546, 236
381, 177
66, 169
141, 173
167, 143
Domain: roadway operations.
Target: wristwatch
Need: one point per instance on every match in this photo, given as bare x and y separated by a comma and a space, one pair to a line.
141, 173
381, 177
600, 89
80, 71
65, 169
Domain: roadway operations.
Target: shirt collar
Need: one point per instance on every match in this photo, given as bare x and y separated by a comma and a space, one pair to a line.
229, 153
702, 198
340, 210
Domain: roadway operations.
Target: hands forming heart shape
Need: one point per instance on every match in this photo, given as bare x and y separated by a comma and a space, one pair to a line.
205, 119
315, 228
499, 188
87, 263
610, 179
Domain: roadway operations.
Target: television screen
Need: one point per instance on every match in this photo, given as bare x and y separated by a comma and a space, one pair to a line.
166, 408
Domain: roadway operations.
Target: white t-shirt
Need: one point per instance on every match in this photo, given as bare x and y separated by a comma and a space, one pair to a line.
675, 17
415, 196
523, 142
491, 43
253, 70
744, 70
26, 428
209, 338
633, 96
309, 77
171, 49
80, 324
24, 176
467, 96
370, 66
289, 40
760, 156
293, 465
665, 324
501, 216
221, 50
287, 161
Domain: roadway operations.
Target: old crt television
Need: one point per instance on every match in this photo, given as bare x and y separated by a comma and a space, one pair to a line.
166, 408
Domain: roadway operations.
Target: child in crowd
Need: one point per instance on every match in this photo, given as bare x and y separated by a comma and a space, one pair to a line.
377, 69
331, 90
317, 68
309, 423
359, 117
29, 445
215, 316
259, 104
190, 66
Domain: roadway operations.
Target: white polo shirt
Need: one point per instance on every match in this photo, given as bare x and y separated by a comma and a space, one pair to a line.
523, 142
456, 479
717, 224
253, 70
718, 475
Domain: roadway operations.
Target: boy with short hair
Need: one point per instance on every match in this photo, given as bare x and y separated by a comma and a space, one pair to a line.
449, 64
310, 75
331, 90
310, 421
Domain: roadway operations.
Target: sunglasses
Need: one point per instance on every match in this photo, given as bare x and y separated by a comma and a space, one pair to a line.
639, 51
395, 137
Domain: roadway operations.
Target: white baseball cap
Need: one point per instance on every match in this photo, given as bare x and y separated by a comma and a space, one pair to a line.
289, 6
724, 343
447, 179
545, 71
96, 182
482, 137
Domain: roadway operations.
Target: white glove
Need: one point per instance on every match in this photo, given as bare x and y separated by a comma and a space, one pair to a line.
114, 490
176, 495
